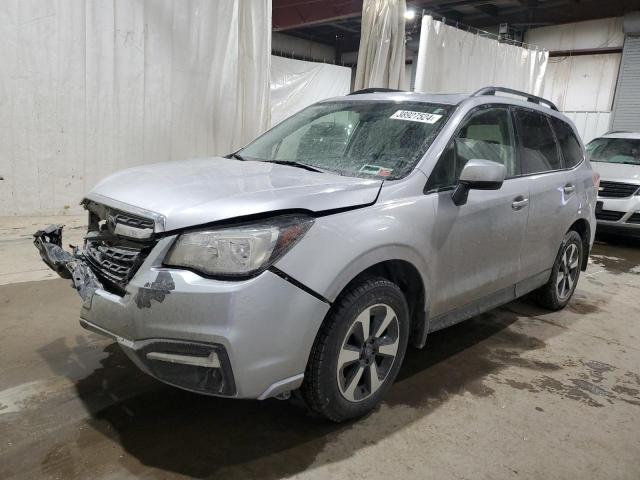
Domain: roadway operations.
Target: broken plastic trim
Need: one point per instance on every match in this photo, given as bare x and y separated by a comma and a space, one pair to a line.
67, 265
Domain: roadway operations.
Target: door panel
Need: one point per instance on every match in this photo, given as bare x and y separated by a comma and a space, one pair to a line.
553, 207
478, 245
553, 191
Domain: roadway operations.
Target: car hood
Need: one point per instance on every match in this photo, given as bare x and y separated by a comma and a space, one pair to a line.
193, 192
617, 172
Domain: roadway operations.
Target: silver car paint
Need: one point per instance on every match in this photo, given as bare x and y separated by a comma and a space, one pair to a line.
267, 342
203, 190
268, 324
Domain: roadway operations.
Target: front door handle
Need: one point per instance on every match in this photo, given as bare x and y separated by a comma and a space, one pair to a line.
569, 188
519, 202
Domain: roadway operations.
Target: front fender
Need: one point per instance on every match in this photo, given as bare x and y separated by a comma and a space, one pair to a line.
339, 247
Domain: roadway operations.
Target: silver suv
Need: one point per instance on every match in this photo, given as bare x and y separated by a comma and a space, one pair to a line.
309, 260
616, 158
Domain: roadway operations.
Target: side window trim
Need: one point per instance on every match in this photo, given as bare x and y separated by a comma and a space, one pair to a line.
469, 114
559, 153
516, 139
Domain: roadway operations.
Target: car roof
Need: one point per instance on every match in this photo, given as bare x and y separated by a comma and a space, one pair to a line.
482, 96
446, 99
632, 135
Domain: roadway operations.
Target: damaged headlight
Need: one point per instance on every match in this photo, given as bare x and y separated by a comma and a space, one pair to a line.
238, 251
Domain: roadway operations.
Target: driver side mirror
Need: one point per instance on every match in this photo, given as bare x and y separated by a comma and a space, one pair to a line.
480, 175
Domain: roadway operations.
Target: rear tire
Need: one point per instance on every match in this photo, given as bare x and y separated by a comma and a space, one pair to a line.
564, 275
358, 351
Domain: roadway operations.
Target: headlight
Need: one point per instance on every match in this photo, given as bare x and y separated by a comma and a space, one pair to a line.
240, 250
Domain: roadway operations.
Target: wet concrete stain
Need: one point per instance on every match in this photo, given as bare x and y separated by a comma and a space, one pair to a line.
632, 392
573, 392
597, 370
618, 256
584, 389
583, 305
590, 387
156, 290
462, 358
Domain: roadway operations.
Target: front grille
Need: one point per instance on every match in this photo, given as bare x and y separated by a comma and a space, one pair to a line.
609, 215
635, 218
616, 189
115, 263
131, 220
114, 258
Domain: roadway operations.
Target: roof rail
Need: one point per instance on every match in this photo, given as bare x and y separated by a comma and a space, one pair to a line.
528, 96
375, 90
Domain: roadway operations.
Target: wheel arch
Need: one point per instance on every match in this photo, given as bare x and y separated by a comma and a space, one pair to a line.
408, 278
582, 228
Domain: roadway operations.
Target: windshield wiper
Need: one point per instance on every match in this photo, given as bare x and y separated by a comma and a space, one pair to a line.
237, 156
290, 163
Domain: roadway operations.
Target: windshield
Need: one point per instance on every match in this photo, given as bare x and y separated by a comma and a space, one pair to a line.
615, 150
359, 138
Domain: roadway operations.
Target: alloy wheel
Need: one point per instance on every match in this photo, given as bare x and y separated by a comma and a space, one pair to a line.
567, 272
368, 352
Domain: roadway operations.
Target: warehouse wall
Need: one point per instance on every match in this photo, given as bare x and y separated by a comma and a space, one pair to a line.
582, 86
90, 87
626, 108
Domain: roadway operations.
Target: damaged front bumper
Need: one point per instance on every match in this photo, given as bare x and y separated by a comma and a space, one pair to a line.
247, 339
67, 265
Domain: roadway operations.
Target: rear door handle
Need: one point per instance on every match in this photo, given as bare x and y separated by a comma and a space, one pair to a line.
569, 188
519, 202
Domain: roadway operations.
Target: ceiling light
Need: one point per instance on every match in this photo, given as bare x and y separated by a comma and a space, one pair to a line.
410, 14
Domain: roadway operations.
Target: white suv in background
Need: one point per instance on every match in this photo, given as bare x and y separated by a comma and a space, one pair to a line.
616, 157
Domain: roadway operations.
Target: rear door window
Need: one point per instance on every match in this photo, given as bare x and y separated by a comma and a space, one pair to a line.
540, 151
569, 144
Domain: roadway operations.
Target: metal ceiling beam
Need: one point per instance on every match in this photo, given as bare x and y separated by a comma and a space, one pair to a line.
289, 14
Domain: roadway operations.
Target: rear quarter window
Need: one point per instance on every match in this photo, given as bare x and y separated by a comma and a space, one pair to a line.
569, 144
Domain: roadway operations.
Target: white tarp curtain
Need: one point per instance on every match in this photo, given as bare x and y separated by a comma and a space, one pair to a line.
451, 60
381, 57
89, 87
296, 84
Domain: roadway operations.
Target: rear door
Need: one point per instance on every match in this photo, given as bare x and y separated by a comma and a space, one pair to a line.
552, 188
478, 244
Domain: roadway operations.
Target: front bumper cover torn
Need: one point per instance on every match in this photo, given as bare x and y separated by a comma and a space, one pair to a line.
67, 265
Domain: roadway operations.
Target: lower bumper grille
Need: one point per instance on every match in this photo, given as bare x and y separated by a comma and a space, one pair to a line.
216, 380
609, 215
635, 218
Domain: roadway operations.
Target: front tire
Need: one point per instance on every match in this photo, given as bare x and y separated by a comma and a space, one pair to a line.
564, 275
358, 351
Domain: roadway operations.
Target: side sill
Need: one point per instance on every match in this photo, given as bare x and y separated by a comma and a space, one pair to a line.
489, 302
472, 309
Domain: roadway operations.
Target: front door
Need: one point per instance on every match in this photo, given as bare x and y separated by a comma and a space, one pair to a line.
478, 245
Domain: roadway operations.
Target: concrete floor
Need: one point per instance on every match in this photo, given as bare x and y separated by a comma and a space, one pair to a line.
515, 393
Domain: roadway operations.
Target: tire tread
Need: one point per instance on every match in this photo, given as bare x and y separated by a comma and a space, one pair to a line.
311, 389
